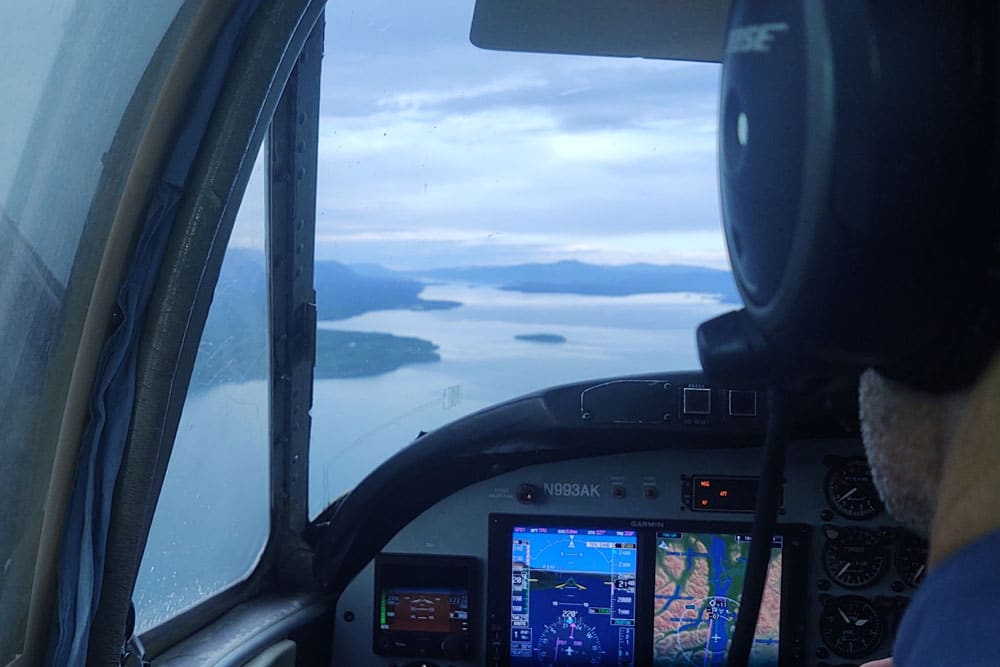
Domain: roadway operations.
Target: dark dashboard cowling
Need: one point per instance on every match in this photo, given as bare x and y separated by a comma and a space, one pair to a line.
617, 415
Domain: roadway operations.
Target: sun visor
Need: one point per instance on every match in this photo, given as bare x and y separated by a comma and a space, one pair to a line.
663, 29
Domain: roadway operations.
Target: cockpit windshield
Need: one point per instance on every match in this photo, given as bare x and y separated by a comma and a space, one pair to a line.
491, 223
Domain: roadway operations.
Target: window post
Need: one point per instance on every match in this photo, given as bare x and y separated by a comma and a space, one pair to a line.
291, 206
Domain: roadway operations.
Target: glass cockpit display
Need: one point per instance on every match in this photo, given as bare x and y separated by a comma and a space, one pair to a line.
698, 584
572, 596
424, 605
627, 592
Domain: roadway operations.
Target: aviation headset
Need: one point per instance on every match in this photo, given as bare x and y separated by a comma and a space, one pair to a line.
858, 164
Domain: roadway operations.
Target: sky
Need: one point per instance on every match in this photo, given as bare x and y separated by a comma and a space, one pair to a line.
433, 152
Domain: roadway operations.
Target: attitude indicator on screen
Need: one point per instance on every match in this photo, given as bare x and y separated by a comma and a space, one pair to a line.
573, 596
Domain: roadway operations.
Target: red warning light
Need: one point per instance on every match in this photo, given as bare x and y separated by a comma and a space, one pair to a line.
705, 483
723, 493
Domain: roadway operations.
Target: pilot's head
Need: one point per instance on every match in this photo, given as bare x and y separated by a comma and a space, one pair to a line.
859, 174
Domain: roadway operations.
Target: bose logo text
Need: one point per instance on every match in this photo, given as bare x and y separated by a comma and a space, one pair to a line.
572, 489
753, 38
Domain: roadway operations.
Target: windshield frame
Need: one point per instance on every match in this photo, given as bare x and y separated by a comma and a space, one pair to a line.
274, 49
99, 258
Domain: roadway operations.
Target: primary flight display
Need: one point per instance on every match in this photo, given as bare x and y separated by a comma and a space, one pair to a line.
572, 596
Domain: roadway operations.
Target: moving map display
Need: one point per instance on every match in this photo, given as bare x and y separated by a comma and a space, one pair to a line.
698, 582
572, 596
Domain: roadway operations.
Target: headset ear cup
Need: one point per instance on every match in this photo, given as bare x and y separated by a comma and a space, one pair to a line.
858, 174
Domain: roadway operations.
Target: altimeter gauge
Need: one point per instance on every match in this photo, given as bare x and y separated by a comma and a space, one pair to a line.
853, 557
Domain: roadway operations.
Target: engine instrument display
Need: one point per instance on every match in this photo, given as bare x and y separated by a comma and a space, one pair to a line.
587, 591
424, 605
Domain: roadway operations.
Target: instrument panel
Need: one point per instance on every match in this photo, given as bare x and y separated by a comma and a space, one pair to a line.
636, 559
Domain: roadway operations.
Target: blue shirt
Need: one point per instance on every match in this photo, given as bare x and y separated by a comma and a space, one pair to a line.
954, 619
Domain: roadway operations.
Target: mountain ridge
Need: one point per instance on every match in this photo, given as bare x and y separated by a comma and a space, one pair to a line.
575, 277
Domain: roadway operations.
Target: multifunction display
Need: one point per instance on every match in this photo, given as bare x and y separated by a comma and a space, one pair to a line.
572, 596
696, 598
620, 593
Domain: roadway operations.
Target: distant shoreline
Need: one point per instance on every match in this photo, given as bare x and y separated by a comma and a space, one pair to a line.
574, 277
547, 338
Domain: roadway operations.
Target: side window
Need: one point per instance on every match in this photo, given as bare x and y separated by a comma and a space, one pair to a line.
213, 516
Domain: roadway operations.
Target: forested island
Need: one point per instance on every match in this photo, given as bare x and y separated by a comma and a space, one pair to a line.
351, 354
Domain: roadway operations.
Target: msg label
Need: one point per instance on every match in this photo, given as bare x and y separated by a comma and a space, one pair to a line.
572, 489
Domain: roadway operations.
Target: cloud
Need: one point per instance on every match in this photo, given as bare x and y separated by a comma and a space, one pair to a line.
427, 98
433, 152
515, 169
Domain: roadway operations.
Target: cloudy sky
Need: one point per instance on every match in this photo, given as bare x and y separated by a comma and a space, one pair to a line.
435, 153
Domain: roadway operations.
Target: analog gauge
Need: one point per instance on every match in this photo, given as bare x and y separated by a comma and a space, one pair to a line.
850, 626
850, 490
853, 557
911, 558
569, 641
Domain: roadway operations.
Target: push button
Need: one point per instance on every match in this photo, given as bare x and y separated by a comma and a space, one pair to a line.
742, 403
697, 401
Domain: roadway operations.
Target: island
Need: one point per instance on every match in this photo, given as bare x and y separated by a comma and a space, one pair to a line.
354, 354
541, 338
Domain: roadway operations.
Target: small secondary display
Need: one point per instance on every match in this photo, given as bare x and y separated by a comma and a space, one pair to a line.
436, 610
696, 598
424, 605
572, 596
